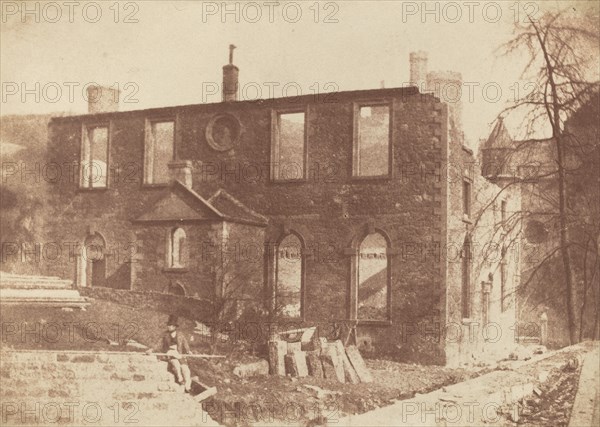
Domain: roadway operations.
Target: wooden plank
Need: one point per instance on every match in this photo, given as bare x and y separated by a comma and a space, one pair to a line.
277, 351
332, 366
329, 371
201, 391
300, 357
364, 375
290, 365
204, 356
349, 371
313, 362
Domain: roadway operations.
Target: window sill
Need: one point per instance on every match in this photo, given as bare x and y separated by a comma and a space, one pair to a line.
364, 322
468, 321
92, 189
155, 185
175, 270
372, 178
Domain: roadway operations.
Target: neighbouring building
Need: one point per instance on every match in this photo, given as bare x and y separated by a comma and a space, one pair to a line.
364, 208
530, 167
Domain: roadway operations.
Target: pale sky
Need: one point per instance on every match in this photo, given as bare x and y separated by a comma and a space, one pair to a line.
177, 48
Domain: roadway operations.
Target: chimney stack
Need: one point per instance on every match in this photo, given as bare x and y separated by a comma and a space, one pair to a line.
418, 69
230, 79
181, 170
102, 99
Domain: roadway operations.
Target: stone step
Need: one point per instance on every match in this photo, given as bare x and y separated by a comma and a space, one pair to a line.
63, 378
8, 276
75, 388
44, 297
35, 283
81, 372
40, 294
79, 357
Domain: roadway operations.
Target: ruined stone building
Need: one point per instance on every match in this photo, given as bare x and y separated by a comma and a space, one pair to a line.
530, 167
358, 208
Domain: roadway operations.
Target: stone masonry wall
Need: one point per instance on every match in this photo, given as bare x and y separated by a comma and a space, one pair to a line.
330, 209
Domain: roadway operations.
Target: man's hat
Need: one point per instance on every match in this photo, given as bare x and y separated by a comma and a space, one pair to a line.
172, 320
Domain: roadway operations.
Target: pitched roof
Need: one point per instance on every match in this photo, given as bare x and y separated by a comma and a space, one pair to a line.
234, 210
499, 137
181, 203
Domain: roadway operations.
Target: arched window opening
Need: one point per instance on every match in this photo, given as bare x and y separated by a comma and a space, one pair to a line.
289, 276
373, 278
177, 289
177, 248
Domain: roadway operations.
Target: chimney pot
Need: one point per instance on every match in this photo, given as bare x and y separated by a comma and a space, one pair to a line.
230, 78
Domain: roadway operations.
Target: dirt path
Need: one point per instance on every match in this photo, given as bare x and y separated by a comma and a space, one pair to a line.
490, 399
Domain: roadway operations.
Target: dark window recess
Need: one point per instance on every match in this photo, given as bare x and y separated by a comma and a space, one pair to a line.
372, 142
94, 157
159, 149
289, 147
467, 198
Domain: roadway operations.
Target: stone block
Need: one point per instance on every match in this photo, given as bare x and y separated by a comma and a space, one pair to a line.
294, 346
253, 369
83, 358
295, 364
277, 351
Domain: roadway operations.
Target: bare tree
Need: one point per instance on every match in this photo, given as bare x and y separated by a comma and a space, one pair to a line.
562, 56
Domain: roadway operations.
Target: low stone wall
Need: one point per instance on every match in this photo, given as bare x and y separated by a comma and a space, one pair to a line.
191, 308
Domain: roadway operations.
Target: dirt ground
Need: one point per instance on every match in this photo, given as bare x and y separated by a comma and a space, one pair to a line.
270, 399
309, 400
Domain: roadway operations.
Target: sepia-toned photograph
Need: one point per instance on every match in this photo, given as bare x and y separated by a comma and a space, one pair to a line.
300, 213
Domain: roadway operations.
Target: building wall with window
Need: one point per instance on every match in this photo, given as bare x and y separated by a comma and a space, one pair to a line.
483, 261
353, 187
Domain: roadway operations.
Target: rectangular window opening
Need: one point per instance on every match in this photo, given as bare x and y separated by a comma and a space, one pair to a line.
372, 141
289, 147
159, 151
94, 157
467, 199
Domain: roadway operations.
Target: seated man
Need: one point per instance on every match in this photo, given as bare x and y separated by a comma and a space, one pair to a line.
175, 346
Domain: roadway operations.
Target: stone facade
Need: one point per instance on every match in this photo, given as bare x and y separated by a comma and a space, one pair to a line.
235, 212
530, 167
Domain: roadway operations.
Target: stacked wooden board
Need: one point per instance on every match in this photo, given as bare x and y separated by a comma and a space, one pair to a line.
318, 358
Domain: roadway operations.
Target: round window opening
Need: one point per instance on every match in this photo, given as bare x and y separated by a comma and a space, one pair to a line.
223, 132
536, 232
